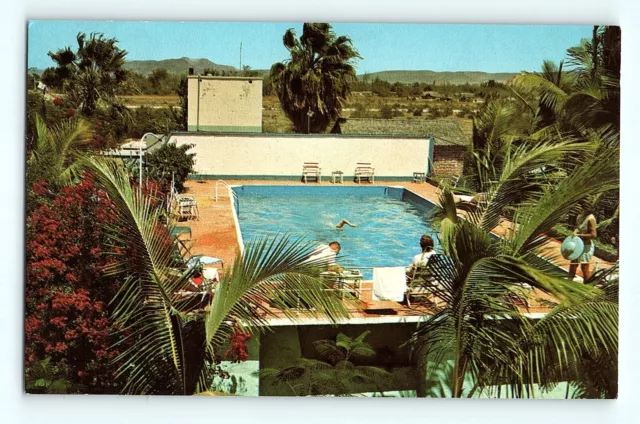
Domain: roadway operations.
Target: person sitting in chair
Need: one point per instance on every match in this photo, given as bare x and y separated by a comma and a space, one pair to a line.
421, 259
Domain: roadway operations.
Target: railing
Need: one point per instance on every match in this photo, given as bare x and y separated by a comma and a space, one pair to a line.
224, 183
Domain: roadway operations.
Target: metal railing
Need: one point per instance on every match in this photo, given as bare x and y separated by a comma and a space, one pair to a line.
224, 183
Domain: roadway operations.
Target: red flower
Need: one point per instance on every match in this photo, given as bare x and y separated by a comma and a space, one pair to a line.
57, 101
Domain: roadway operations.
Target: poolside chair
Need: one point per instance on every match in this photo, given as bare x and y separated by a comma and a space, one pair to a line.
187, 207
313, 170
451, 181
423, 282
364, 170
182, 232
348, 283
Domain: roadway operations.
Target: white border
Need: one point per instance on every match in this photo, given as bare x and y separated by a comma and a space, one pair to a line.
15, 407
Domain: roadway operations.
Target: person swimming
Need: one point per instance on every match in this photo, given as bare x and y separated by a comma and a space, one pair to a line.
343, 222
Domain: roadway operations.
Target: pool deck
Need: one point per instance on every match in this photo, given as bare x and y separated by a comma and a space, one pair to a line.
215, 234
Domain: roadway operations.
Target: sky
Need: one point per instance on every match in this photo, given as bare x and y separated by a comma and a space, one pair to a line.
434, 47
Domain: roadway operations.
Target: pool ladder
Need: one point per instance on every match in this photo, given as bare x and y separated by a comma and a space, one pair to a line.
232, 194
224, 183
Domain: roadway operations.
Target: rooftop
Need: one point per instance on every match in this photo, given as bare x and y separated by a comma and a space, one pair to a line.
446, 132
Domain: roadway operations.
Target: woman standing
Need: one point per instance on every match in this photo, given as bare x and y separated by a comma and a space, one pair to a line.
587, 232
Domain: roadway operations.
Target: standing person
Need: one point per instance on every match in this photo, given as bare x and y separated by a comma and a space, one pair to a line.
588, 232
420, 260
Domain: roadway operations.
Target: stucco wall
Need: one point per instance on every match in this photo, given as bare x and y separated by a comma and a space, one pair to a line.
283, 155
224, 104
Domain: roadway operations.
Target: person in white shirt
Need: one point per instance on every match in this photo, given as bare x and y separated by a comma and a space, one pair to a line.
420, 260
326, 255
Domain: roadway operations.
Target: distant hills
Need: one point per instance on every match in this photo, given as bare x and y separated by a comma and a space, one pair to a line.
182, 65
440, 78
175, 66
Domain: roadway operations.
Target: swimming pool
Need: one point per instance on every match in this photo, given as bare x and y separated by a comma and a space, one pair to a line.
390, 220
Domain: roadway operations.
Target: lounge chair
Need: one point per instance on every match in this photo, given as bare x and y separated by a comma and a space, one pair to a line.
181, 231
450, 181
364, 170
313, 170
187, 207
423, 282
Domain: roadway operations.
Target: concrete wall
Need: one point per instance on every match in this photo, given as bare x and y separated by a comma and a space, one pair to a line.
282, 156
448, 160
224, 104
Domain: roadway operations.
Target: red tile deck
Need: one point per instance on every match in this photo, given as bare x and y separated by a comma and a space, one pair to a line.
214, 233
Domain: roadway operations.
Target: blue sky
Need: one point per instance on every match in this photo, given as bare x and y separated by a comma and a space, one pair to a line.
435, 47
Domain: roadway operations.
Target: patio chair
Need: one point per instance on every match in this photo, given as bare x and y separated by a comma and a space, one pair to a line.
451, 181
181, 231
187, 207
348, 283
364, 170
421, 282
313, 170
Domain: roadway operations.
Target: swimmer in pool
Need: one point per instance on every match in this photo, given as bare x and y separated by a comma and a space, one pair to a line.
343, 222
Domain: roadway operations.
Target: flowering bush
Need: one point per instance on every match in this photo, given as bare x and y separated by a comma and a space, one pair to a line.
66, 295
237, 351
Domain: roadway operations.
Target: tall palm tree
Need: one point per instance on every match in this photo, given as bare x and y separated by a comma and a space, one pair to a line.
90, 74
586, 98
478, 328
314, 83
168, 346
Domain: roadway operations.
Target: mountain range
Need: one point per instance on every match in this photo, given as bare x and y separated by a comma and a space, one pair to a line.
182, 65
440, 78
175, 66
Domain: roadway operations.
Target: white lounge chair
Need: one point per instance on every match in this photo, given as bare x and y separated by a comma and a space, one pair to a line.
364, 170
313, 170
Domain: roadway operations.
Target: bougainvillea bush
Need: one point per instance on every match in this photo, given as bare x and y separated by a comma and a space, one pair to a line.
67, 297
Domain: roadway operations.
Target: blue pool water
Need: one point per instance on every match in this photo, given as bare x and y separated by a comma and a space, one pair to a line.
390, 220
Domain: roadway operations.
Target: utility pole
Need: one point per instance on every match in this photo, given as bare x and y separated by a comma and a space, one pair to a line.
240, 68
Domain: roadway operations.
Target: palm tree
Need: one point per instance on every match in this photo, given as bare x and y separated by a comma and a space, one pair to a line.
314, 84
478, 329
168, 345
55, 158
90, 74
575, 343
586, 98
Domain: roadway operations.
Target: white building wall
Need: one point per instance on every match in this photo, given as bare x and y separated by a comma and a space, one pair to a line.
232, 104
283, 155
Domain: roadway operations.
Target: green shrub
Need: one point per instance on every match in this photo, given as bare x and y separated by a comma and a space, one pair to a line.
171, 162
387, 112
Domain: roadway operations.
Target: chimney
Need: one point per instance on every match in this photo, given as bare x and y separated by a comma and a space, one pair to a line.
190, 71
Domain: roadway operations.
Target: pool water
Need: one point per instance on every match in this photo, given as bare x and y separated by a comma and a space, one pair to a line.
390, 220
